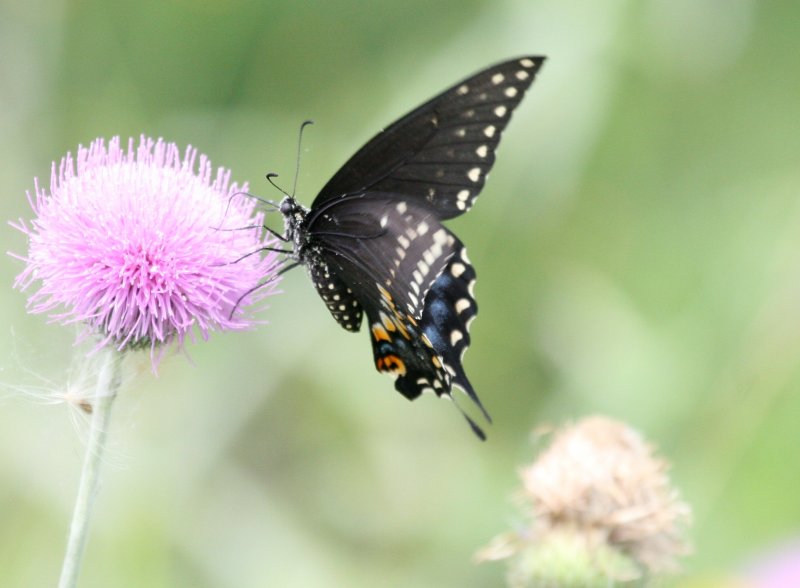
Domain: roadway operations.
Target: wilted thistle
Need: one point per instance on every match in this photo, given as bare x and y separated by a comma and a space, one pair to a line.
143, 248
601, 512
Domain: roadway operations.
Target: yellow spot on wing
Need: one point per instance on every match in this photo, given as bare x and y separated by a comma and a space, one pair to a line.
388, 323
380, 334
385, 293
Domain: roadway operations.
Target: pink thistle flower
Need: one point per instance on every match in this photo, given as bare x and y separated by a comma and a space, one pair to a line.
140, 246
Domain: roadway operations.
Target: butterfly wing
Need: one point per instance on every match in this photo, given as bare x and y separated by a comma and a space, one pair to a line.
374, 242
440, 153
412, 278
375, 239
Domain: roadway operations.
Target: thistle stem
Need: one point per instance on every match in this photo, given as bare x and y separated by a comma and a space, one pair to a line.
108, 381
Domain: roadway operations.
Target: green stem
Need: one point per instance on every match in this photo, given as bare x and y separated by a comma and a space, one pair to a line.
108, 381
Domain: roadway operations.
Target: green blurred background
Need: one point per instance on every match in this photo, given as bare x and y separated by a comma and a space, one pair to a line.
638, 254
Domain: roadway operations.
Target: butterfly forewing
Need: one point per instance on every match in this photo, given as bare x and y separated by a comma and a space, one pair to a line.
440, 153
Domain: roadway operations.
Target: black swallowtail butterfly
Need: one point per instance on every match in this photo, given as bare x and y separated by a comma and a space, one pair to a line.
373, 240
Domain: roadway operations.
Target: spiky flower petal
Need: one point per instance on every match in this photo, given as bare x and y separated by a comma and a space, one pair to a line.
141, 245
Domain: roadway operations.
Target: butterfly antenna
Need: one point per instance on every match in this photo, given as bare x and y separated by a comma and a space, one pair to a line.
274, 205
271, 203
303, 126
269, 177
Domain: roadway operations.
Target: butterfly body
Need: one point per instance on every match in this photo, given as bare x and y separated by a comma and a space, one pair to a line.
374, 244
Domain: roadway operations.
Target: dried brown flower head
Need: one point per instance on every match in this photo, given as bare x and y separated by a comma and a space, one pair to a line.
597, 492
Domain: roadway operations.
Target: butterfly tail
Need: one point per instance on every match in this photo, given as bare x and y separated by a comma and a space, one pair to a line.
450, 308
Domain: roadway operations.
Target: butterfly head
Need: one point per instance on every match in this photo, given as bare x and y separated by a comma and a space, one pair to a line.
289, 207
294, 214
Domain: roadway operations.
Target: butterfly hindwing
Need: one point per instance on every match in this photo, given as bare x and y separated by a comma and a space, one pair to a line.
426, 355
449, 310
441, 152
373, 240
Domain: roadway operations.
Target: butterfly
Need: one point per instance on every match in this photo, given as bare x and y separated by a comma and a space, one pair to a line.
374, 244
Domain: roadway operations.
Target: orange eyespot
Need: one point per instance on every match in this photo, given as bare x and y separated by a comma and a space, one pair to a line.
391, 364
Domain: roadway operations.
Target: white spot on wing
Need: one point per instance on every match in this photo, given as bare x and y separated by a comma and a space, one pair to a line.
469, 321
489, 131
463, 195
457, 269
422, 228
522, 75
482, 151
500, 111
526, 63
455, 337
401, 207
511, 92
498, 78
474, 174
463, 88
462, 304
